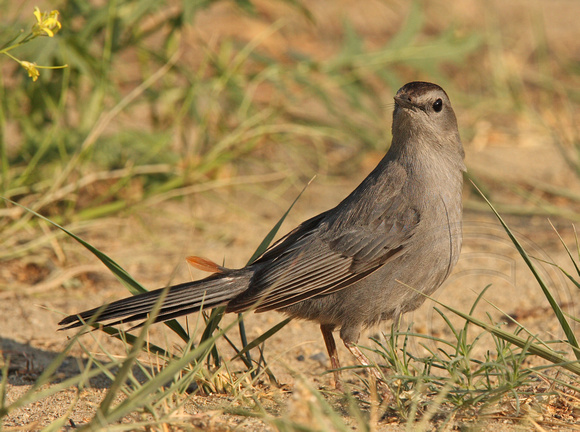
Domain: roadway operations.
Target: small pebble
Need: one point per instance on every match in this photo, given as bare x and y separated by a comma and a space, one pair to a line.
320, 357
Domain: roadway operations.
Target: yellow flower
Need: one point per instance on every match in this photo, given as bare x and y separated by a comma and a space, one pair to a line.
46, 23
31, 69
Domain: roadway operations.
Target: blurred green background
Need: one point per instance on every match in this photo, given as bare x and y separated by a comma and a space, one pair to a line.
161, 96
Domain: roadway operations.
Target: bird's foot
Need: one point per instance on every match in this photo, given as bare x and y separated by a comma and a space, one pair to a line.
377, 382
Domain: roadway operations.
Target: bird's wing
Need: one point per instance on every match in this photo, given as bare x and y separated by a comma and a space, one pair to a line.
334, 249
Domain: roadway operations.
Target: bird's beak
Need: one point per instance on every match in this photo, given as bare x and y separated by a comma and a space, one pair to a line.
403, 102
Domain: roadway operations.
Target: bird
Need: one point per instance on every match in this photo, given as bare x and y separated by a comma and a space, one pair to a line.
373, 257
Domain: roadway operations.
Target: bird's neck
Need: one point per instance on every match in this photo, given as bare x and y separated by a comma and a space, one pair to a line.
428, 155
436, 169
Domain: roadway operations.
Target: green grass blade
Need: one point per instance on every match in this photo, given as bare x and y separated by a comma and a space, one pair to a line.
577, 244
37, 391
131, 340
533, 348
120, 273
553, 303
264, 336
568, 252
129, 361
217, 313
149, 391
259, 251
125, 278
568, 275
211, 325
270, 236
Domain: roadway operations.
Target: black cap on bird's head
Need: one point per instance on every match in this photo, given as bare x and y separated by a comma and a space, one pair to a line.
423, 109
424, 96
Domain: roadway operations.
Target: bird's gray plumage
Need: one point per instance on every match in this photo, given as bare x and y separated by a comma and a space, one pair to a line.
397, 235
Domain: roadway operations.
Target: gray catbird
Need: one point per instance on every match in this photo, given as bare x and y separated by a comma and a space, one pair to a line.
370, 258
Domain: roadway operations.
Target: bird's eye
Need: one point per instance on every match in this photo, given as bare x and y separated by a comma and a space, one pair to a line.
438, 105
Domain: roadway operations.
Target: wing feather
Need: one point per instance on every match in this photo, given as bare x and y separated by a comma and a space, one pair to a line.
334, 249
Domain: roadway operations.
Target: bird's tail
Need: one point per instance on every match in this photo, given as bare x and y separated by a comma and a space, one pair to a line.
182, 299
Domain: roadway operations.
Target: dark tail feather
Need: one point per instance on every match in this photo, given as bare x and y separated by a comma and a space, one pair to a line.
181, 299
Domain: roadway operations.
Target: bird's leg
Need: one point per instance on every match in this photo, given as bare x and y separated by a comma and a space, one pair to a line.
376, 380
362, 359
326, 330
